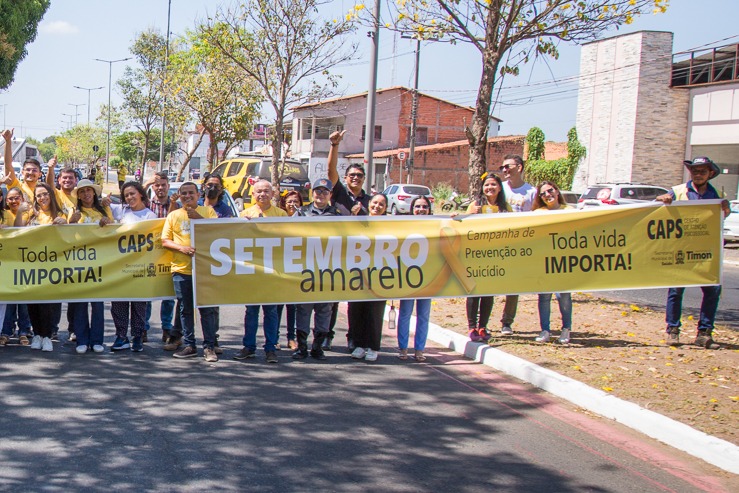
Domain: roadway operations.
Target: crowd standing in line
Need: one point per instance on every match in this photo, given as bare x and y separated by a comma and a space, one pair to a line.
32, 202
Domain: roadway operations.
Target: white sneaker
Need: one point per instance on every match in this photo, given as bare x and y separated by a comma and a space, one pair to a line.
564, 337
506, 330
98, 348
81, 349
543, 336
358, 353
371, 355
46, 345
36, 342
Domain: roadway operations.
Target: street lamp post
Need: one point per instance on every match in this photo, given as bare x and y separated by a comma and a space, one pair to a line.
69, 126
110, 79
89, 90
75, 111
164, 101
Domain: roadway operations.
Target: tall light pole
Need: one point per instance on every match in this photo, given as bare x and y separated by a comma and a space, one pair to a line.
164, 101
369, 130
75, 111
110, 79
89, 90
69, 127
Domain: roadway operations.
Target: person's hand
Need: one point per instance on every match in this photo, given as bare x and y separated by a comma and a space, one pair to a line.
75, 217
8, 134
7, 180
336, 137
59, 220
105, 201
193, 214
476, 209
52, 162
174, 197
104, 221
187, 250
665, 198
356, 209
24, 207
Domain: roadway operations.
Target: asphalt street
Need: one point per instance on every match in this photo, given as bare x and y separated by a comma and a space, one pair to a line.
148, 422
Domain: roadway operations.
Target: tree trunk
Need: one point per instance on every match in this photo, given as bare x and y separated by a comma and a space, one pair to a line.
188, 155
477, 133
277, 140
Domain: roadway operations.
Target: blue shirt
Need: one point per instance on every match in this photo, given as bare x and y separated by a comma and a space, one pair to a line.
222, 209
693, 194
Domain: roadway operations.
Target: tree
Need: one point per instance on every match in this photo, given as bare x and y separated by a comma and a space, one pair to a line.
130, 147
76, 144
223, 99
508, 33
535, 144
141, 87
286, 49
18, 26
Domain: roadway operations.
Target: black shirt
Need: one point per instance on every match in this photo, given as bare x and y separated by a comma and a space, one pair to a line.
342, 196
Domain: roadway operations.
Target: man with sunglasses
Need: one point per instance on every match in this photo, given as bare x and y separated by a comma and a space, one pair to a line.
701, 170
349, 194
520, 196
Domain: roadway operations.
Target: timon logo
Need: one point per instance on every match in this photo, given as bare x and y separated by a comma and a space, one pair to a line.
151, 270
679, 257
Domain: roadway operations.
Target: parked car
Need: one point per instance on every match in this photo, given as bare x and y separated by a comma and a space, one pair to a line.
241, 172
570, 197
175, 186
618, 194
399, 197
731, 223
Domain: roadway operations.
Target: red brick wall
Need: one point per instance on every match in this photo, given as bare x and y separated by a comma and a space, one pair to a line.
449, 164
445, 122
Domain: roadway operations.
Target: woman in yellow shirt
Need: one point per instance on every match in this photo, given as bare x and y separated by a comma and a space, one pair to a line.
548, 199
45, 210
13, 200
89, 330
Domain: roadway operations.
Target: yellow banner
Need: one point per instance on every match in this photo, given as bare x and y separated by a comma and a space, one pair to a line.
84, 262
292, 260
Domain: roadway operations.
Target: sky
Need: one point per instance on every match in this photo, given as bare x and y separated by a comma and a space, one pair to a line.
73, 33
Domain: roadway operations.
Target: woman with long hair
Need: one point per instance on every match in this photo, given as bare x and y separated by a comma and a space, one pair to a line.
420, 206
89, 329
135, 208
548, 198
367, 317
479, 308
291, 202
44, 211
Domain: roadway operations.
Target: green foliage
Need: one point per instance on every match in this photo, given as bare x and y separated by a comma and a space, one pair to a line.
442, 191
130, 146
47, 150
575, 150
535, 141
19, 21
558, 171
75, 145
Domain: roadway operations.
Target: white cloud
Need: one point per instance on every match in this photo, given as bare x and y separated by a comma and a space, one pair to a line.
58, 27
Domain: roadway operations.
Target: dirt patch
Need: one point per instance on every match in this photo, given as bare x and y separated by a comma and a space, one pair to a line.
620, 348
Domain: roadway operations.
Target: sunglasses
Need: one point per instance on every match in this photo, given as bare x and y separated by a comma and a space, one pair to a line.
321, 191
549, 191
505, 167
355, 175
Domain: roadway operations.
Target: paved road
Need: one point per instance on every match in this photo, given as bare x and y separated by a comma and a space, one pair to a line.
148, 422
728, 309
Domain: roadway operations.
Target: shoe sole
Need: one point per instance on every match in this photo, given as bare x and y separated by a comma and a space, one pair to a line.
185, 356
239, 357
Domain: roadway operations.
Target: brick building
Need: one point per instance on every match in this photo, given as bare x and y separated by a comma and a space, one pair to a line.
446, 162
438, 122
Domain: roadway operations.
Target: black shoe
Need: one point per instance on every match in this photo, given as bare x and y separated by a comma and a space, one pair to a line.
272, 357
318, 354
300, 353
145, 336
326, 346
165, 335
245, 354
55, 336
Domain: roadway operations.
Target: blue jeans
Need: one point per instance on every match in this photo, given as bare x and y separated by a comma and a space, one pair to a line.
88, 329
208, 316
423, 311
709, 306
166, 314
545, 309
270, 326
16, 313
289, 321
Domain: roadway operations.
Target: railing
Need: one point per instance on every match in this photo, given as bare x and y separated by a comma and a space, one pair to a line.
711, 66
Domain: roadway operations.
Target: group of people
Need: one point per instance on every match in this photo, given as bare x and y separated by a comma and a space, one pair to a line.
32, 202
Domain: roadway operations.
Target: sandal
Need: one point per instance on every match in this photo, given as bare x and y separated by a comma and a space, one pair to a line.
419, 356
403, 354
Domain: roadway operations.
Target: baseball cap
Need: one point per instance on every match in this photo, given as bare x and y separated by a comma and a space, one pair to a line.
323, 183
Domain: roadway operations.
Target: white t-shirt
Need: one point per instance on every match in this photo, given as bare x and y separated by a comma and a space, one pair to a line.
124, 214
520, 199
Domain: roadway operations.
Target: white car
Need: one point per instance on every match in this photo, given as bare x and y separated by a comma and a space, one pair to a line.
399, 197
731, 223
617, 194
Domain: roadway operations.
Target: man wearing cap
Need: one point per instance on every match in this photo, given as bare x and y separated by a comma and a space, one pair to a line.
320, 192
701, 170
262, 193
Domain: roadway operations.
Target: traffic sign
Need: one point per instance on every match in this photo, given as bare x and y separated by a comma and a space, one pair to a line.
401, 155
95, 148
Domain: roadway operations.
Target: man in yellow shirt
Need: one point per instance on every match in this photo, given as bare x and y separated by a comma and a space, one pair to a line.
262, 193
31, 170
65, 194
176, 237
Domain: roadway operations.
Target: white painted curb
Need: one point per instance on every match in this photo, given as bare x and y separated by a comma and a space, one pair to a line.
713, 450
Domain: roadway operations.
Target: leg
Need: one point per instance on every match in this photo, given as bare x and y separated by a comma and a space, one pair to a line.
183, 291
509, 310
166, 312
473, 308
251, 322
565, 309
290, 322
423, 313
545, 310
404, 322
357, 319
709, 306
119, 310
209, 319
674, 307
81, 322
271, 327
374, 323
486, 308
97, 323
138, 318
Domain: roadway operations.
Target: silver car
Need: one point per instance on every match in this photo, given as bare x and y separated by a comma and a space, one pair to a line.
618, 194
731, 223
399, 197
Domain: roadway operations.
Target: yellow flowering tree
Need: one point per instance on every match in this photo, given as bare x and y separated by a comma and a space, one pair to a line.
507, 33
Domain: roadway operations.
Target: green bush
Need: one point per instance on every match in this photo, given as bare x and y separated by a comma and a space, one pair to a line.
442, 191
559, 171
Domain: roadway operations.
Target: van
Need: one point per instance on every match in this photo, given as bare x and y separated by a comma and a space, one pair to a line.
241, 172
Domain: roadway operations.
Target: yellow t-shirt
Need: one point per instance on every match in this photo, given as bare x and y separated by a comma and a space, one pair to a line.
93, 216
486, 208
28, 191
8, 218
33, 218
177, 229
68, 202
255, 211
560, 208
121, 174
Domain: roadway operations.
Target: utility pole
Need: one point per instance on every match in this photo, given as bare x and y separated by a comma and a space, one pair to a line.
76, 113
88, 89
164, 101
414, 114
369, 131
110, 80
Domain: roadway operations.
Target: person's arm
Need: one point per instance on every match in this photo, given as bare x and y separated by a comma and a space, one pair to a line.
8, 137
50, 175
333, 156
666, 198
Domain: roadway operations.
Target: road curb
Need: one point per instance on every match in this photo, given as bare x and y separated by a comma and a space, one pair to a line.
716, 451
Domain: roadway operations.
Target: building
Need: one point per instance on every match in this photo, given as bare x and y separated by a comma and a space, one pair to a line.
642, 111
438, 122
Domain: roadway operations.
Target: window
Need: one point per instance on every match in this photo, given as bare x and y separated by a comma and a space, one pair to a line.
422, 136
234, 169
378, 132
